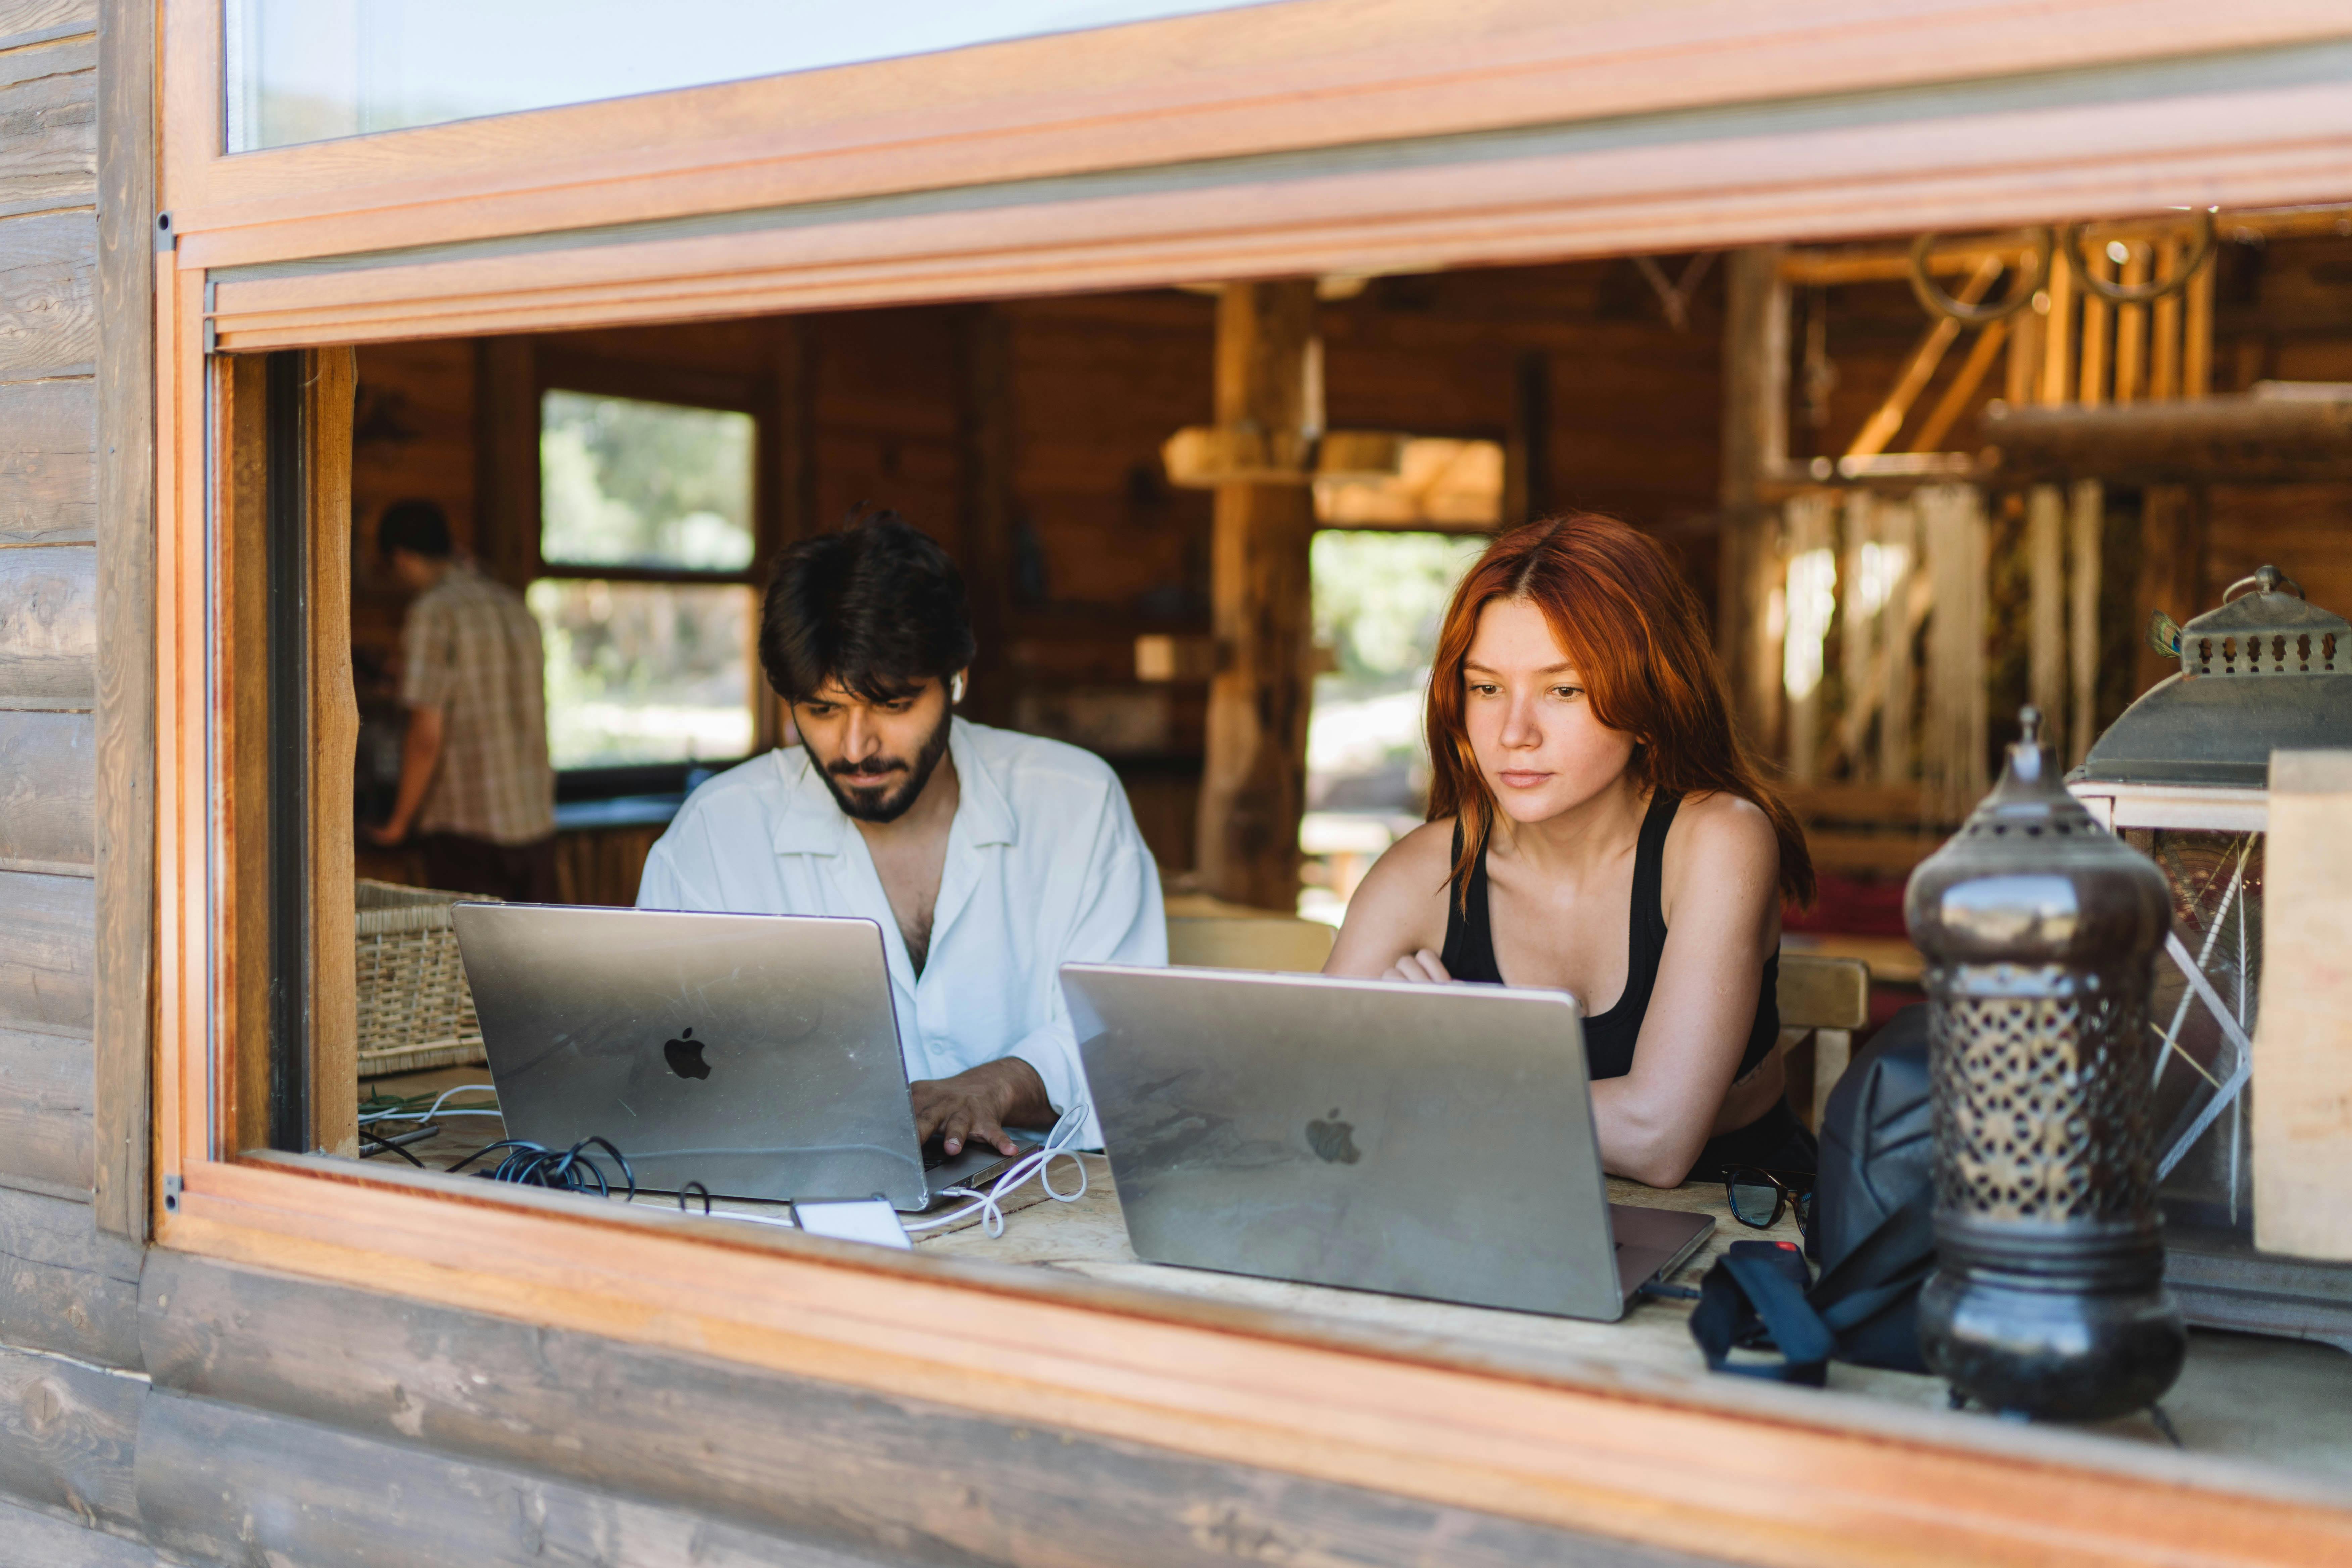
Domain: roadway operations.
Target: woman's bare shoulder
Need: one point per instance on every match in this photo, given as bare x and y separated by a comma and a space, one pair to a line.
1722, 835
1717, 817
1428, 848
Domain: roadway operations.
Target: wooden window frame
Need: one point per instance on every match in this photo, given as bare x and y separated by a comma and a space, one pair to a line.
1733, 1470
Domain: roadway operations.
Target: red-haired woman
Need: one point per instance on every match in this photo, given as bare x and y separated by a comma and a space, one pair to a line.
1595, 826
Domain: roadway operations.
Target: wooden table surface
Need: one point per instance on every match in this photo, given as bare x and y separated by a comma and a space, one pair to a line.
2246, 1397
2273, 1402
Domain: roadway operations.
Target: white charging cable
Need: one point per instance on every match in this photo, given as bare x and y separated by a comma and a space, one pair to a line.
1061, 1143
373, 1117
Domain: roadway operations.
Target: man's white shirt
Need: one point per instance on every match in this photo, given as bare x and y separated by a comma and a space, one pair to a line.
1044, 867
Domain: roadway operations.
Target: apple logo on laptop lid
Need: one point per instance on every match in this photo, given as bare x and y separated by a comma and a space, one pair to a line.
1333, 1140
685, 1056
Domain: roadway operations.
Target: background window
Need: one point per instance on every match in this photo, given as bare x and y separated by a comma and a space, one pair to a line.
658, 665
645, 672
651, 485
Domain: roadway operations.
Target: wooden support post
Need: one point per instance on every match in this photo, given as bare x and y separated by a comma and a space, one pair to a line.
1952, 527
2131, 333
1755, 444
2086, 534
2058, 334
2045, 567
2097, 318
1906, 608
2022, 368
2164, 349
2197, 336
1858, 623
1253, 778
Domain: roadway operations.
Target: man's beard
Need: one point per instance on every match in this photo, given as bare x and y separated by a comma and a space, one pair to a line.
888, 802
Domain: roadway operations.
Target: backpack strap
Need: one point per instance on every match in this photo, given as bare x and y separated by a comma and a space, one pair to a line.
1753, 1299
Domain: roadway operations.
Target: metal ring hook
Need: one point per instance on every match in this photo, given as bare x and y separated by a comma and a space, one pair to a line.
1940, 303
2142, 293
2267, 580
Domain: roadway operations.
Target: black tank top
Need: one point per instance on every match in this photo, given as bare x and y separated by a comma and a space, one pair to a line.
1610, 1036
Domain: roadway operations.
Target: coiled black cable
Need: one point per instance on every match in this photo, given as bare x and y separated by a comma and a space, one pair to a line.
568, 1170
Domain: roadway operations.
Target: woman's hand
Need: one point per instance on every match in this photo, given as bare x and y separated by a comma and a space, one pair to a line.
1423, 968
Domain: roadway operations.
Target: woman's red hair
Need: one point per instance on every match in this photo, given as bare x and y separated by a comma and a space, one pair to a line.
1633, 630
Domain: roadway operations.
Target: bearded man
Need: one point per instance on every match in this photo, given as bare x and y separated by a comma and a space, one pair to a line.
989, 859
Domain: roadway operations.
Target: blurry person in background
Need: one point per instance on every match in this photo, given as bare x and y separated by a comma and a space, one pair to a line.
476, 791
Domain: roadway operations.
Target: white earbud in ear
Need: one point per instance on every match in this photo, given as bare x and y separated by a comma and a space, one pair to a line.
955, 688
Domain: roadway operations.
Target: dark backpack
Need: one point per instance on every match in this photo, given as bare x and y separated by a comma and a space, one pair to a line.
1873, 1228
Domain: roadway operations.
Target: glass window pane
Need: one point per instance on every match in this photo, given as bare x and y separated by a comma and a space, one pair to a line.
301, 70
645, 672
624, 483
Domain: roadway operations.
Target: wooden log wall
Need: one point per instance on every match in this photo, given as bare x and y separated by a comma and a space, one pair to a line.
67, 1289
75, 536
307, 1421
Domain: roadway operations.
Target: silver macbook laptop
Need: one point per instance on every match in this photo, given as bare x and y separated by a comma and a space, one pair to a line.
755, 1054
1431, 1140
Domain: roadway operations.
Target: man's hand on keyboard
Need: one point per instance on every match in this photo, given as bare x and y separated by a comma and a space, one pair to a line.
979, 1103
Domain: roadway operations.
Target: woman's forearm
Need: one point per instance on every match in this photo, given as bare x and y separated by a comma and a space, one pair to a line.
1646, 1136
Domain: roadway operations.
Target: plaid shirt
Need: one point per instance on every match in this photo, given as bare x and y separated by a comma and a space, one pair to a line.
472, 651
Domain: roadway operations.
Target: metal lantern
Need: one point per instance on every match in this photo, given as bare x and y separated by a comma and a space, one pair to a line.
2183, 776
2041, 930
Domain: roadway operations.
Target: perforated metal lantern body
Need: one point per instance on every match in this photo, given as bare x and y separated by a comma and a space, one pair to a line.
2041, 930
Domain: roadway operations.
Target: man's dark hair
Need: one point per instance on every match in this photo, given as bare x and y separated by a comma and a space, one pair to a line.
877, 606
419, 527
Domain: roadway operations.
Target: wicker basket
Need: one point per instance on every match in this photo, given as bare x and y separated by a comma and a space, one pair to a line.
415, 1012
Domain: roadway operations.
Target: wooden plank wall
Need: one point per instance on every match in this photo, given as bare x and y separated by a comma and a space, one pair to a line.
297, 1422
69, 1284
62, 1288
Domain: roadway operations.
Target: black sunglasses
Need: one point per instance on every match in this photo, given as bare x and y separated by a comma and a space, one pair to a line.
1757, 1197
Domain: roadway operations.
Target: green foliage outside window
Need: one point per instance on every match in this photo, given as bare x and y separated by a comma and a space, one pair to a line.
628, 483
